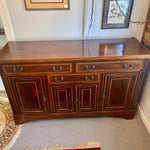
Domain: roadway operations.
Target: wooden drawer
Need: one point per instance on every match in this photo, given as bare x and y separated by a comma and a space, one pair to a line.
111, 66
73, 78
31, 68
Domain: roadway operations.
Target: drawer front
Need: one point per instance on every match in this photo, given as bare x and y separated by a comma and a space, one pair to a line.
50, 68
111, 66
73, 78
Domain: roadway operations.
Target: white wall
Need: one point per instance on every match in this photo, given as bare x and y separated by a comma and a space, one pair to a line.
144, 106
46, 24
42, 25
139, 13
96, 31
1, 26
67, 24
58, 25
5, 17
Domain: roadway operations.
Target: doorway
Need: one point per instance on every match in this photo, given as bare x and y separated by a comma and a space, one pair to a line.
3, 41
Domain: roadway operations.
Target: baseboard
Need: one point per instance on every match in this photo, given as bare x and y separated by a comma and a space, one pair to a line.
144, 119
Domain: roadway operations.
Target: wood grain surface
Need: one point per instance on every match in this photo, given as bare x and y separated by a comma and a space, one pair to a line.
72, 50
47, 79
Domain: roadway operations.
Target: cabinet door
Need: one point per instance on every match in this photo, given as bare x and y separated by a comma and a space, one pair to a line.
86, 97
62, 97
118, 90
29, 94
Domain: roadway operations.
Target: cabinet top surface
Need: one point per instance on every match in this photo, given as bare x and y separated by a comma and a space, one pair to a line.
26, 51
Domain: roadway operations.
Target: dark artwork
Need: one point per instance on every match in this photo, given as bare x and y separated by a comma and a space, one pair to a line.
146, 35
116, 14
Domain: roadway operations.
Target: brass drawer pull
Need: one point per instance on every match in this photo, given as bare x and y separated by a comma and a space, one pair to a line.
87, 68
76, 100
61, 79
86, 78
125, 66
60, 69
15, 70
44, 98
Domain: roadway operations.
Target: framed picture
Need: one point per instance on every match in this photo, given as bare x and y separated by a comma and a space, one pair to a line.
146, 35
116, 14
46, 4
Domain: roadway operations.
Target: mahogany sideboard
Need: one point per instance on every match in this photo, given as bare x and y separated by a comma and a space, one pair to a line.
47, 79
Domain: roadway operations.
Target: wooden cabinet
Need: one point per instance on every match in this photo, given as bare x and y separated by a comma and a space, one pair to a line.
62, 98
74, 98
37, 68
68, 79
29, 94
86, 97
119, 90
114, 66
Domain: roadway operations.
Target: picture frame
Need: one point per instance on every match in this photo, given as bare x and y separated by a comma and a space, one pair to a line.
146, 34
46, 4
113, 17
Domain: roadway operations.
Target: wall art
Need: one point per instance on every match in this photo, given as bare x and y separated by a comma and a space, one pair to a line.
116, 13
146, 35
46, 4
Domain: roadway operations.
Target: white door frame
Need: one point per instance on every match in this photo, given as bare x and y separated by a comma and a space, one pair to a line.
6, 21
5, 18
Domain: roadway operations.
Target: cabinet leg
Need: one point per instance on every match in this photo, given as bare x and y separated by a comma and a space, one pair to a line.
18, 120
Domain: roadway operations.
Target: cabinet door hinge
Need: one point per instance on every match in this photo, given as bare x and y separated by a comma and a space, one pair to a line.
44, 98
104, 95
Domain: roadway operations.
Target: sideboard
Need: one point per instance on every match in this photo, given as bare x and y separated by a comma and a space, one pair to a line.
51, 79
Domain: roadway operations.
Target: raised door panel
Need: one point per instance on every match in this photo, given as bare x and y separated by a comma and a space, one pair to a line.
118, 91
62, 97
29, 94
86, 97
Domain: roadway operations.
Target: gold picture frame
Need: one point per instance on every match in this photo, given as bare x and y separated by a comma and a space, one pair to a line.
146, 34
46, 4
